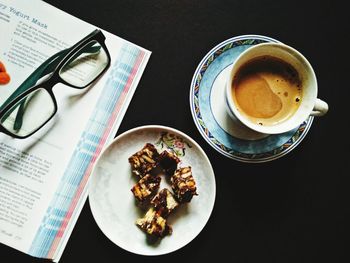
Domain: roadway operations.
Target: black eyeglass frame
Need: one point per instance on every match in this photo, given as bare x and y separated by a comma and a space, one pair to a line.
55, 78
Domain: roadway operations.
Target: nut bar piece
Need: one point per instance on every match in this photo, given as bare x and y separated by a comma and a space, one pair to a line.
154, 224
164, 202
183, 184
144, 160
146, 187
168, 161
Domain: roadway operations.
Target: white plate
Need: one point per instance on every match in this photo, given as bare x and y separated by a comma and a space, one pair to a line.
113, 204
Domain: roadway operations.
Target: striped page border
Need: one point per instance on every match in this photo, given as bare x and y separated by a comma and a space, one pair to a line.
93, 139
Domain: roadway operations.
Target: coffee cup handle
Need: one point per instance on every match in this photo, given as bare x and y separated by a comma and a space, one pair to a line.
320, 108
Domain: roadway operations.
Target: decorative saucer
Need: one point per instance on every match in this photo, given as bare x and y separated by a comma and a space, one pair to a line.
209, 113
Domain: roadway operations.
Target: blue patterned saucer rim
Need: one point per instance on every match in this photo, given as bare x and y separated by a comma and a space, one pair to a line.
271, 148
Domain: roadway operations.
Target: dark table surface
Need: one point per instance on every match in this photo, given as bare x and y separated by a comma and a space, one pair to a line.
290, 210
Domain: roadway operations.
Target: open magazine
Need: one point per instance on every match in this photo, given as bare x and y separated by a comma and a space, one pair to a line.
43, 178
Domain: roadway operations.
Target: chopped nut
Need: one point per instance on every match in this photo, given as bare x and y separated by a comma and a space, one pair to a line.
183, 185
146, 188
154, 224
164, 202
145, 160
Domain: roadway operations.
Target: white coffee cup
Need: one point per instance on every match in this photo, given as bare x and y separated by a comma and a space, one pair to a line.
309, 105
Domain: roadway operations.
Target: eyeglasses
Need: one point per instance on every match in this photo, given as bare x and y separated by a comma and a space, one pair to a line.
33, 103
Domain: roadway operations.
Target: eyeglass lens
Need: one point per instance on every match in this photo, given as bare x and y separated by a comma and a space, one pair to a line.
29, 113
85, 65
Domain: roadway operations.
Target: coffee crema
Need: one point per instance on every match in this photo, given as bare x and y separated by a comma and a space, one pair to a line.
267, 90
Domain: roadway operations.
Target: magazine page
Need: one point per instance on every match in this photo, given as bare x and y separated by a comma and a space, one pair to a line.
31, 169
